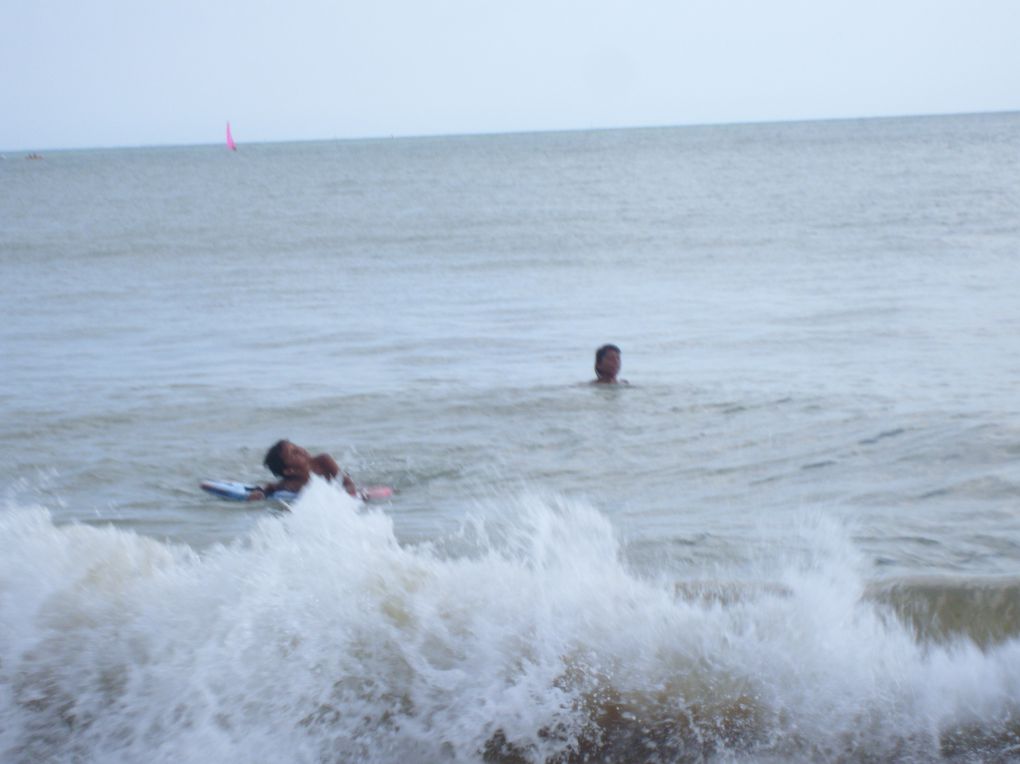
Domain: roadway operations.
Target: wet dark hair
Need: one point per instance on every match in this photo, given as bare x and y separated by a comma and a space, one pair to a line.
274, 458
603, 350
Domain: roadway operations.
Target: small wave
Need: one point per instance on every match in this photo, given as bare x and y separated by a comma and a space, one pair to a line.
882, 436
985, 612
819, 465
983, 487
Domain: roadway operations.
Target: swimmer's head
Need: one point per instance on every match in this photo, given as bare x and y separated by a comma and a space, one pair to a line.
607, 363
286, 459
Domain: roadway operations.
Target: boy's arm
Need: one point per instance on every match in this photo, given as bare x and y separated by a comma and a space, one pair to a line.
349, 485
327, 466
332, 470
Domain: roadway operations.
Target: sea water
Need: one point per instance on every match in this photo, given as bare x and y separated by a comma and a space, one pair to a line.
795, 535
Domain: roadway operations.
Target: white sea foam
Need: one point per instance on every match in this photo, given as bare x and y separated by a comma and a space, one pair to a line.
321, 638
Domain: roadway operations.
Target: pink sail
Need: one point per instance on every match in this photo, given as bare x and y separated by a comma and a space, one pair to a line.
230, 139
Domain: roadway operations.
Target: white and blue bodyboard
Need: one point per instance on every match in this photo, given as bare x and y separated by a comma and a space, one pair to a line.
233, 491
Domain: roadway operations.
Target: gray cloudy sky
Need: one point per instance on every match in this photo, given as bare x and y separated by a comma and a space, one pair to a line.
139, 72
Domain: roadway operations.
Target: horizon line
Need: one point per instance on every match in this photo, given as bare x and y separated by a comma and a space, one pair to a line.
482, 134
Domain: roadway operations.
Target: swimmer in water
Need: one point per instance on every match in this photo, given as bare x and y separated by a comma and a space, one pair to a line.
295, 467
607, 366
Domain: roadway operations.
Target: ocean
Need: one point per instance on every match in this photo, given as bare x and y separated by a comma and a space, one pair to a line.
794, 536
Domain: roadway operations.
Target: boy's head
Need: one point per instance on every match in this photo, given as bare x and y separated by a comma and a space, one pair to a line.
285, 459
607, 362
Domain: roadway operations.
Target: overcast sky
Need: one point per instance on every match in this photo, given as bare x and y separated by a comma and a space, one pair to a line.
77, 73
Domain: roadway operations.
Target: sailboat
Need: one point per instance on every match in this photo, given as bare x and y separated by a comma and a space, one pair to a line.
230, 139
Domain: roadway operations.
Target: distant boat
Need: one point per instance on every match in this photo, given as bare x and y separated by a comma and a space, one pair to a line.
230, 139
